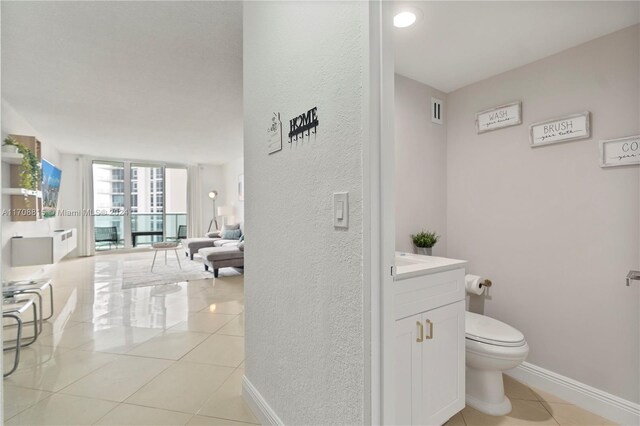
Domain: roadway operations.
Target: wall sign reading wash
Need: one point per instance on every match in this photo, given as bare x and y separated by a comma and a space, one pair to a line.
564, 129
620, 152
303, 123
499, 117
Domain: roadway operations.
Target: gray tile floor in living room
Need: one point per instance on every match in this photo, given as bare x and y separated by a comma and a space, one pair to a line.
168, 355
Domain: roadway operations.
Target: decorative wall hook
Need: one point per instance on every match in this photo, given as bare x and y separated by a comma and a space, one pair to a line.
303, 123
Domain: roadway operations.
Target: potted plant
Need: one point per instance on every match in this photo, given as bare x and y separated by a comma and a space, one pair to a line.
30, 172
8, 147
424, 241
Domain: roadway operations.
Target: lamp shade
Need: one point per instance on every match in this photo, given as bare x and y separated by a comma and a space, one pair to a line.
225, 211
213, 194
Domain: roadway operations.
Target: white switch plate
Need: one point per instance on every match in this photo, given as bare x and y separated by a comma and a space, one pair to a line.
341, 209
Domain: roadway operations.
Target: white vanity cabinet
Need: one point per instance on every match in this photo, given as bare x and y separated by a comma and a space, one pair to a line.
430, 344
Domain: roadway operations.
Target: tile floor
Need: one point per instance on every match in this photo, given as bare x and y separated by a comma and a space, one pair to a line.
164, 355
530, 407
169, 355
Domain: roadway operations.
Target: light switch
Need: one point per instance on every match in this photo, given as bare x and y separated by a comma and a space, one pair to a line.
341, 209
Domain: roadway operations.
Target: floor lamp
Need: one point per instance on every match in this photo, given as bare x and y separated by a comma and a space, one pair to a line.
213, 195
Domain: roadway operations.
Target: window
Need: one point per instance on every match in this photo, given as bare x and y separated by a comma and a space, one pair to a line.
157, 197
117, 187
117, 174
117, 200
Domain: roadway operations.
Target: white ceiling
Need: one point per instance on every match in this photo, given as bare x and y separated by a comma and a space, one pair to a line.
458, 43
142, 80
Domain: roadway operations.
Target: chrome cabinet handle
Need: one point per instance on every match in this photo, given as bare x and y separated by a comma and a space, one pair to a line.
420, 332
632, 275
430, 325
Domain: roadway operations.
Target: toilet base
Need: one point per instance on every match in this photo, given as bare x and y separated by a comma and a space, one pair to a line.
485, 392
500, 409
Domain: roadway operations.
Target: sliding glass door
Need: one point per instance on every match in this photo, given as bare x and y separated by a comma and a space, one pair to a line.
175, 203
108, 204
147, 204
138, 204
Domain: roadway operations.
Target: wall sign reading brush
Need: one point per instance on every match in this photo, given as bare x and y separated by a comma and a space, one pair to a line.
570, 128
303, 123
620, 152
499, 117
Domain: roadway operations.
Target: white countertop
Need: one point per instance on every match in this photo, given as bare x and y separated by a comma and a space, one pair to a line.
410, 265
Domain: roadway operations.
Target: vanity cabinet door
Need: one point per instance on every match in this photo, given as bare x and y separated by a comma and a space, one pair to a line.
408, 369
442, 393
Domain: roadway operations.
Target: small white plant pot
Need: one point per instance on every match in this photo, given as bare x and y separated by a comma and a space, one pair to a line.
426, 251
10, 149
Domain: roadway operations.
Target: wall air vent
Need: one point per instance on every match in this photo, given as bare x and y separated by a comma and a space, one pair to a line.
436, 110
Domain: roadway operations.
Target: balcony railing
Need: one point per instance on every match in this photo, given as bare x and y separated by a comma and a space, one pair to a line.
140, 223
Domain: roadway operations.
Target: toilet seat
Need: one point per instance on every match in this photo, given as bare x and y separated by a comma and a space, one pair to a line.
490, 331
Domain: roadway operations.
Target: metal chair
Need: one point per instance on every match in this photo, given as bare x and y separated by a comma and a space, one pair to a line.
13, 309
107, 234
182, 232
36, 287
180, 235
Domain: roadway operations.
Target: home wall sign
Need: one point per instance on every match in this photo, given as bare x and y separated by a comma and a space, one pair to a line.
570, 128
499, 117
620, 152
303, 123
275, 133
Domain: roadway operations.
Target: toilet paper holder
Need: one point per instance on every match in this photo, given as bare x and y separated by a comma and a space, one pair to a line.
486, 283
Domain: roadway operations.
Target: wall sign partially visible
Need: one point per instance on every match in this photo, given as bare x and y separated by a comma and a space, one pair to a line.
303, 123
499, 117
564, 129
620, 152
275, 133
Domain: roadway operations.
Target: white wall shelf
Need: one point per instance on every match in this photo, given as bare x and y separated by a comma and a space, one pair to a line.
12, 158
21, 191
44, 250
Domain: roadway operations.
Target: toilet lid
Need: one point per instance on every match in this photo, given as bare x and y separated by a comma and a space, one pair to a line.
489, 330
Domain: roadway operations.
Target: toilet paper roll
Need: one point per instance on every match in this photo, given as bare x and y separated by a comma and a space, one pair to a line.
473, 284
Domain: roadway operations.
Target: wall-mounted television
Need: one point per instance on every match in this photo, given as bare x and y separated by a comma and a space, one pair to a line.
50, 187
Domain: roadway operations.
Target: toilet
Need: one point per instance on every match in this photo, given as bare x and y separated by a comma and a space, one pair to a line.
491, 348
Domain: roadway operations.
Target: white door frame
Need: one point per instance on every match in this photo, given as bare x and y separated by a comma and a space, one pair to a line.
379, 243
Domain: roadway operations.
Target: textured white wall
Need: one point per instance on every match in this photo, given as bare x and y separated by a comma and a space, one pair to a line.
421, 165
14, 123
231, 171
555, 232
303, 278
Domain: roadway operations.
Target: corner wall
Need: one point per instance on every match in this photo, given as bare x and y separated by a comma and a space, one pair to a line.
421, 165
14, 123
554, 231
304, 318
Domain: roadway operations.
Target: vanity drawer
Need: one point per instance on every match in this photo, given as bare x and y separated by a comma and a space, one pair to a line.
424, 292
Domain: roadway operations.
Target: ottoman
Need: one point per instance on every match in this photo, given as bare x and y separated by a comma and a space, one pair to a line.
192, 245
221, 257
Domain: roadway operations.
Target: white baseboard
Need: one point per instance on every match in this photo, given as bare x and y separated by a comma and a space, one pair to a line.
258, 405
599, 402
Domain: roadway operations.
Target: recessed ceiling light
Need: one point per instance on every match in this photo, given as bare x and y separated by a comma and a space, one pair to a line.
404, 19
